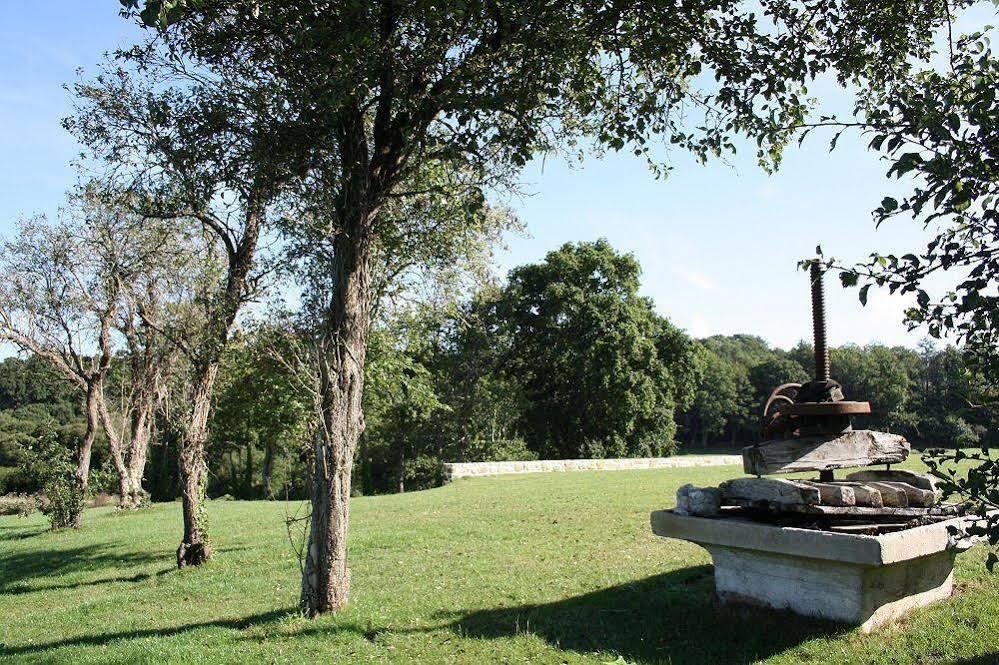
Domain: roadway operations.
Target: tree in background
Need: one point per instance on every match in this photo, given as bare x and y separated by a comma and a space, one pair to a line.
722, 399
586, 348
208, 141
883, 376
400, 402
154, 267
262, 420
58, 301
34, 397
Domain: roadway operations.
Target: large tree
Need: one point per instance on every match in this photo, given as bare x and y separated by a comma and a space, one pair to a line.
212, 147
602, 372
382, 89
60, 299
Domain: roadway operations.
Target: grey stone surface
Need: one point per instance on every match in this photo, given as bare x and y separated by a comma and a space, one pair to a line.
858, 579
698, 501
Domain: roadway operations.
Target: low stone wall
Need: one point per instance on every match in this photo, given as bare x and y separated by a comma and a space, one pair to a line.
456, 470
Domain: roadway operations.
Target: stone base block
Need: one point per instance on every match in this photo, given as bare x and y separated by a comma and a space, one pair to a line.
851, 593
861, 580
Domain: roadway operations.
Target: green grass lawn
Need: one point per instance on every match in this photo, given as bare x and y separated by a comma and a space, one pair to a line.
545, 568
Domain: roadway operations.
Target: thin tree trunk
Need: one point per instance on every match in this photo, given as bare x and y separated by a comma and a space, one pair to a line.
326, 575
267, 469
195, 549
83, 453
400, 468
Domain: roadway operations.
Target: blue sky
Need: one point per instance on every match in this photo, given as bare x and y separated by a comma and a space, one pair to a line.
718, 243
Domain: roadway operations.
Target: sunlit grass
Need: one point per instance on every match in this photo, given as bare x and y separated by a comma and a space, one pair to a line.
536, 568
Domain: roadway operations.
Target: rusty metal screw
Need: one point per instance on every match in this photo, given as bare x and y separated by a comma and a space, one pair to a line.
819, 325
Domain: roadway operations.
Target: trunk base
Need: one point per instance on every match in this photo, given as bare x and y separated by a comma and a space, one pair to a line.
333, 601
193, 554
133, 500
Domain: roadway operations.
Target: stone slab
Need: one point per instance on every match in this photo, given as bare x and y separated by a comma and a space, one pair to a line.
858, 579
864, 596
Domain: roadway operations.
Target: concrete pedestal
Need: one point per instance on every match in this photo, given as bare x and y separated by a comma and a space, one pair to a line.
861, 580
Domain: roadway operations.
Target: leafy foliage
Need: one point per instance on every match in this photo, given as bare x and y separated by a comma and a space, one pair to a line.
51, 462
601, 372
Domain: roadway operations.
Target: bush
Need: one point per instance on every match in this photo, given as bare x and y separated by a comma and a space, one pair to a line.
50, 463
21, 505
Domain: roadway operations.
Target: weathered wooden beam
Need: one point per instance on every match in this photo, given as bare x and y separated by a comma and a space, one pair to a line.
872, 514
923, 481
774, 491
821, 453
892, 495
865, 494
918, 498
834, 494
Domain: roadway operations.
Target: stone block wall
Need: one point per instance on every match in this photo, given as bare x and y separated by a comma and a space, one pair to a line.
456, 470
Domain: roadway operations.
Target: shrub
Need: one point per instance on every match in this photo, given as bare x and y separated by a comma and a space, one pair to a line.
21, 505
50, 463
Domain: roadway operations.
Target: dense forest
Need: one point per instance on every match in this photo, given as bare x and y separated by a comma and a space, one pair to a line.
563, 359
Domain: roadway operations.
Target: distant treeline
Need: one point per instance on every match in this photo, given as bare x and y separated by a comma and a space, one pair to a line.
563, 360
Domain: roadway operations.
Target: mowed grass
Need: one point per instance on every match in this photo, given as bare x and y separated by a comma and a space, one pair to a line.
546, 568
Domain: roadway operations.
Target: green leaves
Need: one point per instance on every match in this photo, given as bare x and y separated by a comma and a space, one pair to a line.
161, 13
863, 294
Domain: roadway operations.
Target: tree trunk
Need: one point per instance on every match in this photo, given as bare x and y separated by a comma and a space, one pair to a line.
195, 549
326, 575
267, 469
136, 465
400, 468
87, 446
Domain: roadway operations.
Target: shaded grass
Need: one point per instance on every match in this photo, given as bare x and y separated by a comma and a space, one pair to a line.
535, 568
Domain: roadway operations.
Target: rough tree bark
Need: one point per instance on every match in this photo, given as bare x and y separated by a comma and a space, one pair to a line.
83, 453
135, 458
194, 548
129, 459
326, 575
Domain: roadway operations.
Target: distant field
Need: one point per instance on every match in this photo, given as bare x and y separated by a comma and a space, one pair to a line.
546, 568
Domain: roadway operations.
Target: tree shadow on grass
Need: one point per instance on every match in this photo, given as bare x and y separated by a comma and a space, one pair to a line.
104, 639
18, 570
23, 588
669, 617
19, 532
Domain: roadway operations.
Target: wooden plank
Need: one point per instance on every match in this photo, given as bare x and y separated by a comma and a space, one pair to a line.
834, 494
774, 491
892, 495
864, 512
865, 494
923, 481
821, 453
917, 498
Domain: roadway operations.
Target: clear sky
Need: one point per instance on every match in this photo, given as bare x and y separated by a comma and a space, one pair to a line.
718, 243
